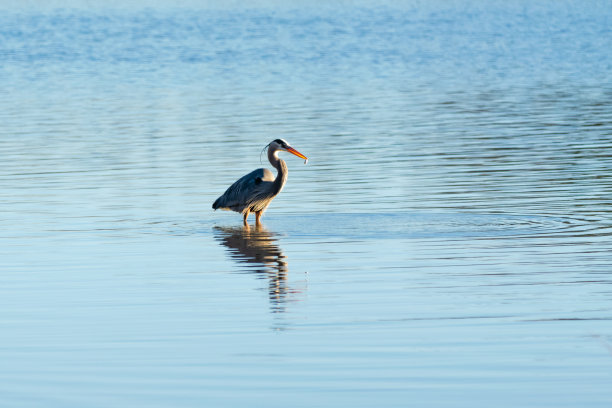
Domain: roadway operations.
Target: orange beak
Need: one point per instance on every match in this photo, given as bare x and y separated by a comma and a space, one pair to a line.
298, 154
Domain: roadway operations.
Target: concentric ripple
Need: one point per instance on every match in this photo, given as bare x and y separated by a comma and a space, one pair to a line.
429, 225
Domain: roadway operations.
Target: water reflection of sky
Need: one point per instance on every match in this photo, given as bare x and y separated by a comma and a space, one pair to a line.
451, 226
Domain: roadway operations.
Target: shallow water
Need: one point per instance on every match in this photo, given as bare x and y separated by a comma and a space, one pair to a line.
447, 244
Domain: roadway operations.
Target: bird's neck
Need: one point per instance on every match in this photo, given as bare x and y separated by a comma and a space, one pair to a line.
281, 167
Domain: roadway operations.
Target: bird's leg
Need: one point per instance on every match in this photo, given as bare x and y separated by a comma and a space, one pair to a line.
246, 215
258, 217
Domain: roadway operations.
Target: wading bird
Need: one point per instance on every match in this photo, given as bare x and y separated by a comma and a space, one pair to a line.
255, 191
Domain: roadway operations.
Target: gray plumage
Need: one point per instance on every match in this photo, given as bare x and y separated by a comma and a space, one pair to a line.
254, 191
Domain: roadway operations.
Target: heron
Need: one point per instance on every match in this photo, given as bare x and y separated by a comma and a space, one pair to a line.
254, 191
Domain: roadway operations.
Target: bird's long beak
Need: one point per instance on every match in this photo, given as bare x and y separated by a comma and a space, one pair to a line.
298, 154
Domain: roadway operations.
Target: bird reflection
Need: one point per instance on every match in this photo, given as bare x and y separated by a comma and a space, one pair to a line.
258, 248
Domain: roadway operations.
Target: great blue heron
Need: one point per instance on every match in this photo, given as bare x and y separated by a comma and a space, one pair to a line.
255, 191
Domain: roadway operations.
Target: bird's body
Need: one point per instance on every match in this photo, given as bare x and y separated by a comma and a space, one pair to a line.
254, 191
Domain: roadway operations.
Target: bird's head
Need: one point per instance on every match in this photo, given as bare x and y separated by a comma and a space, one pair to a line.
282, 145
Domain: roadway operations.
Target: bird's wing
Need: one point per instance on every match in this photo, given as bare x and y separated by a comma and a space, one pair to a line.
239, 194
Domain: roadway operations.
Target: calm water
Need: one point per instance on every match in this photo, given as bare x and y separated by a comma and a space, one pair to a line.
447, 245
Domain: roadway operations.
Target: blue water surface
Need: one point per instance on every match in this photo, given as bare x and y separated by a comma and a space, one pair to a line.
447, 244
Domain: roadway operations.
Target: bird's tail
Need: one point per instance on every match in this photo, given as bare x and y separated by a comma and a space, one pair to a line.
216, 203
